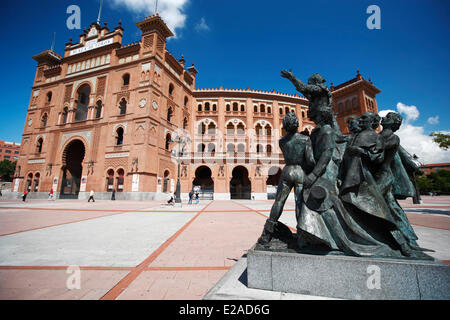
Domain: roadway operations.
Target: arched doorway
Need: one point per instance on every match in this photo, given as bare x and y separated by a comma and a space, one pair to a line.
166, 181
203, 179
29, 182
73, 156
273, 180
37, 177
240, 185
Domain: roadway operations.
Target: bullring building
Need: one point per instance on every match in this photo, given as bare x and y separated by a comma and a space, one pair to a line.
107, 116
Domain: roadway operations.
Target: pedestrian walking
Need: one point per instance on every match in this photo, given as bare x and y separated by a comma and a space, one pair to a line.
196, 198
91, 196
50, 195
171, 200
191, 195
113, 196
24, 196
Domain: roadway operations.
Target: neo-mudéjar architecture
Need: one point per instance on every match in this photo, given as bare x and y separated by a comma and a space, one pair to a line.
107, 116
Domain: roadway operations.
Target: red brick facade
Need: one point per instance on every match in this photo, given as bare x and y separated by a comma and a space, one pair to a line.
9, 151
104, 117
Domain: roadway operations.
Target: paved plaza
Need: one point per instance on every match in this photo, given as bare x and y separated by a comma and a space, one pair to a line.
146, 249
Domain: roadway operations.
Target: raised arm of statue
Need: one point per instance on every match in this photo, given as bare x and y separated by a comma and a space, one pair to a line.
305, 89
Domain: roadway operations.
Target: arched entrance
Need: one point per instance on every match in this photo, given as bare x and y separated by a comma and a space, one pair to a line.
203, 179
273, 180
240, 185
73, 156
166, 181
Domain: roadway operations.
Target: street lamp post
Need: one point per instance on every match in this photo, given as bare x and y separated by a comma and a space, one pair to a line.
182, 141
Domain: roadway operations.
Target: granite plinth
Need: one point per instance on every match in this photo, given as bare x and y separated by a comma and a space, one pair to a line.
348, 277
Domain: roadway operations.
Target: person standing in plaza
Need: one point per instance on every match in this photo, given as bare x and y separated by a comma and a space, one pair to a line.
113, 196
50, 195
196, 198
91, 196
24, 196
191, 195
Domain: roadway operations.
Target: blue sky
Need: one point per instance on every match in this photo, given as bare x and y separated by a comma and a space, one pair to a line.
240, 44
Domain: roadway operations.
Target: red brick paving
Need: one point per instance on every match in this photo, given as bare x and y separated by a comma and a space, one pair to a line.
185, 267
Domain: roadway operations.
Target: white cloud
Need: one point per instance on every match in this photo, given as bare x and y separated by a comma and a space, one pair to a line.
415, 140
202, 26
171, 11
411, 112
433, 120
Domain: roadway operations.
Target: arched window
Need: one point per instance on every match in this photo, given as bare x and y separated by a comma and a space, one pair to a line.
207, 106
281, 111
49, 97
303, 114
242, 108
82, 104
347, 105
212, 128
354, 104
262, 108
230, 128
268, 130
64, 115
168, 141
214, 107
286, 110
44, 120
228, 108
258, 130
269, 110
235, 107
171, 88
120, 180
241, 148
169, 114
201, 128
259, 148
230, 148
98, 109
186, 100
240, 128
185, 123
110, 180
126, 79
211, 148
119, 136
199, 108
123, 106
269, 150
201, 148
39, 144
255, 109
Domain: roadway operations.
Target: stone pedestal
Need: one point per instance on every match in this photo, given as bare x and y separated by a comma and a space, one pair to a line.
348, 277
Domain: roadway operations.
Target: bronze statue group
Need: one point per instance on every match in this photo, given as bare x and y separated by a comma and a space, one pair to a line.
346, 187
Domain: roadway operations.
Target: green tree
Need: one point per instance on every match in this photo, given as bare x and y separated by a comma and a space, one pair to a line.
442, 139
7, 169
438, 182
